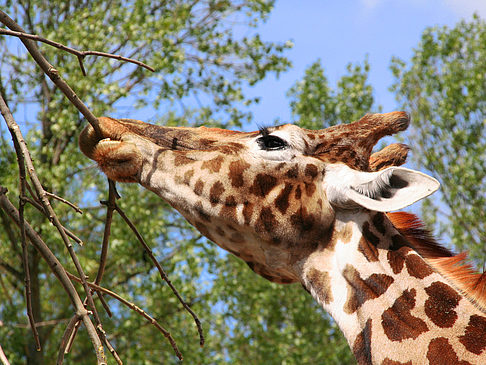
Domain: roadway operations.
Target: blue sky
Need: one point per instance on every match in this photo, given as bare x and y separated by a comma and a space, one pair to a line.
339, 32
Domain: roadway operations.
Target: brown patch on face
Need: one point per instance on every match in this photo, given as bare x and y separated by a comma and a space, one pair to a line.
247, 212
231, 148
206, 142
188, 176
396, 259
201, 213
198, 187
215, 193
320, 281
263, 184
417, 267
229, 209
182, 159
282, 201
237, 237
303, 220
266, 221
369, 251
387, 361
220, 231
293, 172
379, 222
236, 169
310, 170
201, 227
359, 290
397, 321
441, 303
362, 345
311, 136
298, 192
213, 165
310, 188
441, 352
474, 340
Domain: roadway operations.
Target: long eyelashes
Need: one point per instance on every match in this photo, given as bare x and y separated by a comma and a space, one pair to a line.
264, 131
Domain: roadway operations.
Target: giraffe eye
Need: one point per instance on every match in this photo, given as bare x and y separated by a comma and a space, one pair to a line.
271, 143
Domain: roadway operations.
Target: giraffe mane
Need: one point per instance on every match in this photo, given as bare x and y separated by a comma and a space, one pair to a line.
452, 266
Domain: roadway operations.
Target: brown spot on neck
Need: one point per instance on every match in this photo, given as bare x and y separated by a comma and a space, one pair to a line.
362, 345
441, 303
379, 222
474, 338
360, 290
441, 352
397, 321
417, 267
320, 282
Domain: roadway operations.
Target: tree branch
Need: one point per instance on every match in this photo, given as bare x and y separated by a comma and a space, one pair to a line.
136, 309
57, 268
162, 273
80, 54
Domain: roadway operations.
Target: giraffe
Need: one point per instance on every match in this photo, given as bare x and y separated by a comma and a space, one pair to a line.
312, 207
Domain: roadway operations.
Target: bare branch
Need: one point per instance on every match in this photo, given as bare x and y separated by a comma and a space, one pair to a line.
66, 338
76, 208
136, 309
80, 54
162, 273
25, 254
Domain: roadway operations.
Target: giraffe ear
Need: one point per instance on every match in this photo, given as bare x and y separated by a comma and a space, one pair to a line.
391, 189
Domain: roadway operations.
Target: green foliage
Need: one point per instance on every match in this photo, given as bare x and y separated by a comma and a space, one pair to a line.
444, 85
316, 105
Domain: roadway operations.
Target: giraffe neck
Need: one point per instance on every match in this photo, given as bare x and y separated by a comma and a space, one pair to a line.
391, 305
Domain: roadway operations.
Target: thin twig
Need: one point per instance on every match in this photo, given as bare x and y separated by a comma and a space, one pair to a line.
80, 54
136, 309
162, 273
75, 207
75, 238
111, 205
23, 239
40, 208
66, 338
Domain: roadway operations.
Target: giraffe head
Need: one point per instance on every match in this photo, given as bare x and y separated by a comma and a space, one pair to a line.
269, 197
